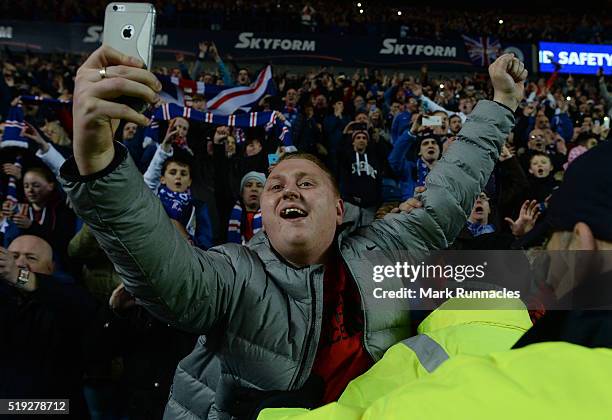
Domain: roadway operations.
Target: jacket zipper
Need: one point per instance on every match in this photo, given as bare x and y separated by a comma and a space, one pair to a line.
310, 331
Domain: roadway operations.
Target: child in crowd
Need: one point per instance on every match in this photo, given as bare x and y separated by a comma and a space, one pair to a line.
169, 176
541, 177
245, 218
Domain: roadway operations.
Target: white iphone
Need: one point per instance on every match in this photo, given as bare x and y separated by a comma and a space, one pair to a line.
432, 121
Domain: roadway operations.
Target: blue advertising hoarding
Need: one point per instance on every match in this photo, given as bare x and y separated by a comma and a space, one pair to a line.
575, 58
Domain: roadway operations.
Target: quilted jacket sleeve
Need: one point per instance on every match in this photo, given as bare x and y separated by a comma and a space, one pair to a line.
178, 283
452, 185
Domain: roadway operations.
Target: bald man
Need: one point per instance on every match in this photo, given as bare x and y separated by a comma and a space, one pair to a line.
41, 325
25, 256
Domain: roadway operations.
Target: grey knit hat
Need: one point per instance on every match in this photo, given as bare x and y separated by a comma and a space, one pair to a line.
255, 176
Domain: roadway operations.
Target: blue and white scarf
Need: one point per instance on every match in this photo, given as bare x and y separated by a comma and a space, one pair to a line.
178, 206
267, 119
477, 229
12, 129
234, 232
422, 171
43, 100
15, 120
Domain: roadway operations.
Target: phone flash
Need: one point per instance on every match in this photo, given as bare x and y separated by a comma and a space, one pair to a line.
569, 98
441, 85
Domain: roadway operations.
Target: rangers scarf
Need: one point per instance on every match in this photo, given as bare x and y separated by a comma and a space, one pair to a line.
267, 119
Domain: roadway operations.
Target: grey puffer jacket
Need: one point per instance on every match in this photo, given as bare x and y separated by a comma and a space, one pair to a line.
260, 316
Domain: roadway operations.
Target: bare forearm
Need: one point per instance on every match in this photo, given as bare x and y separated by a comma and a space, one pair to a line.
89, 165
507, 100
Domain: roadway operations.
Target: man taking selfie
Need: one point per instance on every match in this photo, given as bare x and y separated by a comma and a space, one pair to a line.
282, 316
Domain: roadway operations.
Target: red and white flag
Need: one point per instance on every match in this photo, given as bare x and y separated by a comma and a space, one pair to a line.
220, 100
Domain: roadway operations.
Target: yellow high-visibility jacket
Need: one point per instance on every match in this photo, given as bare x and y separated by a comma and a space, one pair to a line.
459, 326
551, 380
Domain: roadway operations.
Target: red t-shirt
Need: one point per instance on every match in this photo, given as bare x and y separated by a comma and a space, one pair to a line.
341, 356
248, 225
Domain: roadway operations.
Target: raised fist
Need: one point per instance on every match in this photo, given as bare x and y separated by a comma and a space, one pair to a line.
508, 75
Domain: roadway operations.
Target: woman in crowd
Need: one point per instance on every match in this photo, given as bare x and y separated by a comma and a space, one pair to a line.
44, 214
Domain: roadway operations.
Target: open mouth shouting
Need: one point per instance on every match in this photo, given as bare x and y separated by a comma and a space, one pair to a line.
293, 213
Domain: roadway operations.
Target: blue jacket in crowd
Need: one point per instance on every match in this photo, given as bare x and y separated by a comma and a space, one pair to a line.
403, 167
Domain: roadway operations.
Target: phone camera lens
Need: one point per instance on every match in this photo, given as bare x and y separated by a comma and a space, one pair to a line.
115, 8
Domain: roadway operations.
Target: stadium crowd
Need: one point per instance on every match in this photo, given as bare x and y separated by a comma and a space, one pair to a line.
380, 133
446, 20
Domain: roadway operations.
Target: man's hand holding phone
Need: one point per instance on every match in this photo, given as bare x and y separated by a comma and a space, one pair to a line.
105, 76
417, 125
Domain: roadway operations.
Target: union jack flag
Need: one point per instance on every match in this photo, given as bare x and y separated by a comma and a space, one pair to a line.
482, 50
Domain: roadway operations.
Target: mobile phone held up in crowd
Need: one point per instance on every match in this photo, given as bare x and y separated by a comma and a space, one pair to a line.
130, 29
432, 121
606, 123
272, 159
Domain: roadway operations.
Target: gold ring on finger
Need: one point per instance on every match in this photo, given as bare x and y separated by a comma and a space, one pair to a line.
102, 72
